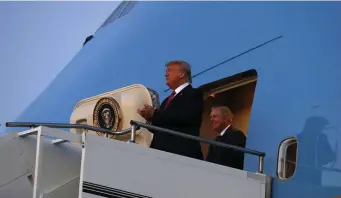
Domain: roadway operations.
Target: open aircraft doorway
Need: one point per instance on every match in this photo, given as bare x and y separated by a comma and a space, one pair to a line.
235, 92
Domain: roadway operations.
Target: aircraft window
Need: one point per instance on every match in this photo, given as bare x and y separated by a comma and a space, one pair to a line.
128, 8
88, 39
287, 158
124, 8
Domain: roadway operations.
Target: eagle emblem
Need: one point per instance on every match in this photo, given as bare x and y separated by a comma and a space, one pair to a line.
107, 114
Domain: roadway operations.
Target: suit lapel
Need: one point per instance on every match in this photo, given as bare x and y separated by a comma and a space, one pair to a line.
181, 94
163, 103
228, 131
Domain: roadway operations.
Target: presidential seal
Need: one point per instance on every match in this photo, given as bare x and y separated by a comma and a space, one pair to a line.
107, 115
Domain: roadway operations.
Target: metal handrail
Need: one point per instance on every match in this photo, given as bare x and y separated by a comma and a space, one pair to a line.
69, 126
135, 125
261, 155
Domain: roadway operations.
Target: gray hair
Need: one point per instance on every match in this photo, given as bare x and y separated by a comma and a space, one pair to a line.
185, 66
225, 111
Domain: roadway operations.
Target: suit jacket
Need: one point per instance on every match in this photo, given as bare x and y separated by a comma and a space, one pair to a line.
183, 114
225, 156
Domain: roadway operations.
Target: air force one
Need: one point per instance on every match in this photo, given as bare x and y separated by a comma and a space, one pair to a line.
277, 65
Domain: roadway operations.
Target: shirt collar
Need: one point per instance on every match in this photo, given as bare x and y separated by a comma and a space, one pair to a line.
181, 87
223, 132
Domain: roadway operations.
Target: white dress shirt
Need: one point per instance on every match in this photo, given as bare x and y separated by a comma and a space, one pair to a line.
180, 88
223, 132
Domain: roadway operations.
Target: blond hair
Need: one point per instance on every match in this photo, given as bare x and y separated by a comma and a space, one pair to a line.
184, 65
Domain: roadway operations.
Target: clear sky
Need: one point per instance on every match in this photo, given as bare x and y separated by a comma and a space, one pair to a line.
37, 40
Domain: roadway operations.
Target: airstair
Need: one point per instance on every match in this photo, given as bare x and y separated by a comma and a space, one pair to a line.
48, 162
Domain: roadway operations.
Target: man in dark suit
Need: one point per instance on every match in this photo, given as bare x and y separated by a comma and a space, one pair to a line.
181, 111
221, 118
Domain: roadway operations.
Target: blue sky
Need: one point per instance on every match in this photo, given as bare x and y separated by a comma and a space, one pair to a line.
37, 40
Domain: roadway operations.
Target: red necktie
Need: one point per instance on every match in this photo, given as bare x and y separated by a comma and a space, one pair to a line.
170, 98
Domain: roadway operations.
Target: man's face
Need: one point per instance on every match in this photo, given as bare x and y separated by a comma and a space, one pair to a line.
174, 74
218, 121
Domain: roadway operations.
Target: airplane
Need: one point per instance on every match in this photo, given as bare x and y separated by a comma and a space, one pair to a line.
277, 65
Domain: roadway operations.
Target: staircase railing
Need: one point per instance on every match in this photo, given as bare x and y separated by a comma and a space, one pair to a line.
135, 125
68, 126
